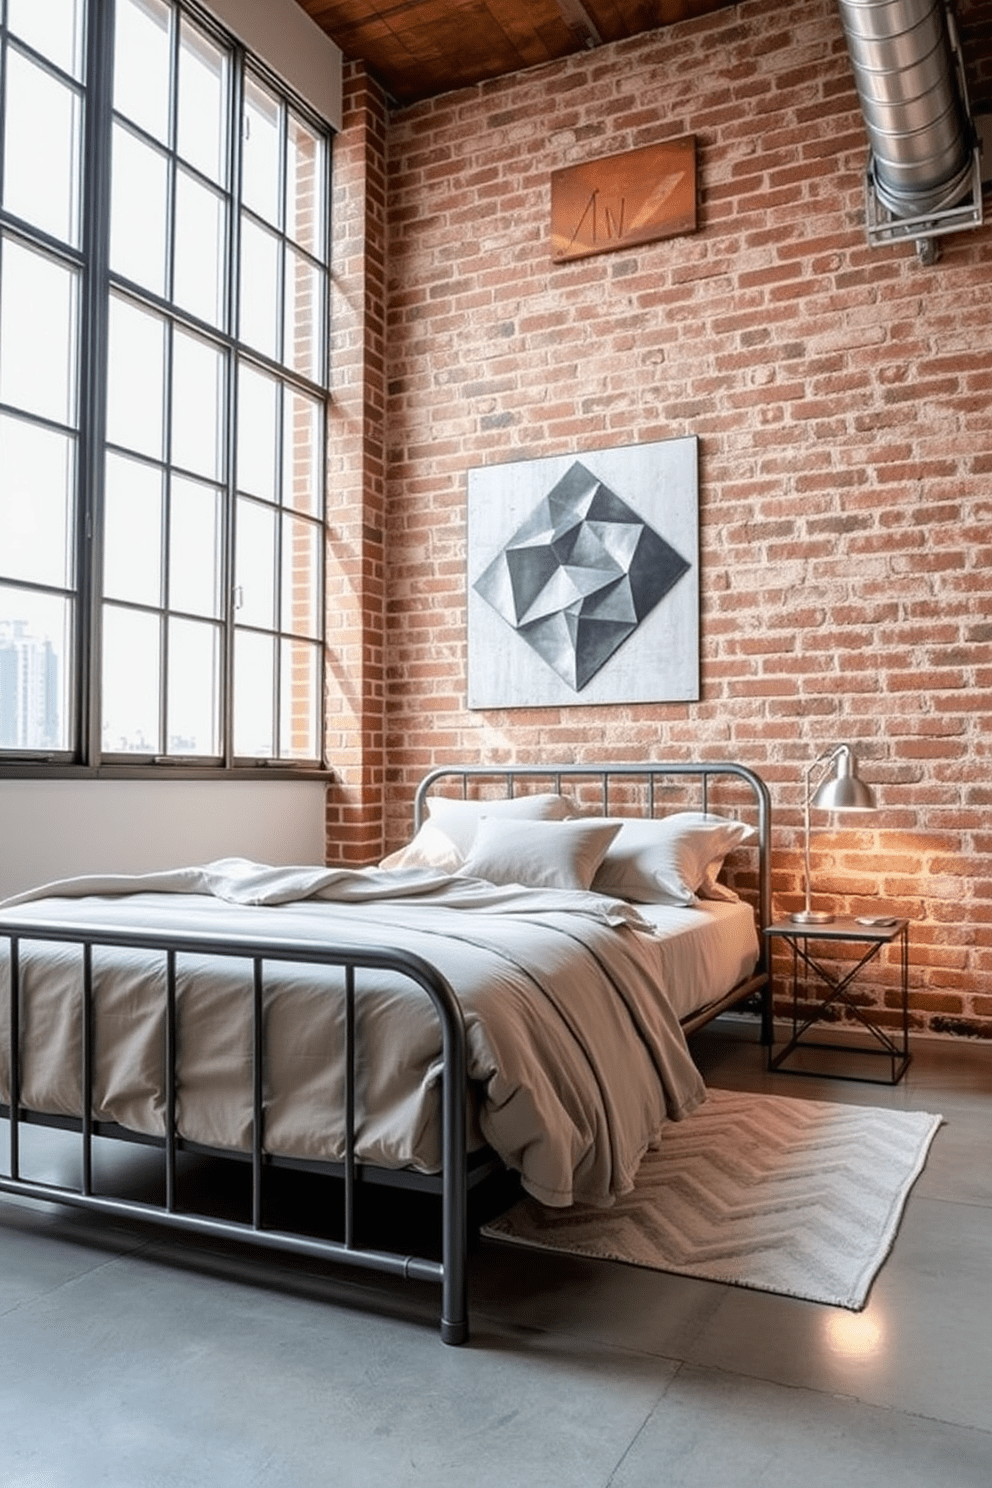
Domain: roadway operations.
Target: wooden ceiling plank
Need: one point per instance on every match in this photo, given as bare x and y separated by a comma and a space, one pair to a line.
539, 32
421, 48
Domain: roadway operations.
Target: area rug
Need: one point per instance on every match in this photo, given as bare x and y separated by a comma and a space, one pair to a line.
799, 1197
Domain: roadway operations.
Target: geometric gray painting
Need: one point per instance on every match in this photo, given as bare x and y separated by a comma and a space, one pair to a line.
579, 575
582, 582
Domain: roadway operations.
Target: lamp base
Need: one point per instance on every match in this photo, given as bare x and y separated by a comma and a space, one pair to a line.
812, 917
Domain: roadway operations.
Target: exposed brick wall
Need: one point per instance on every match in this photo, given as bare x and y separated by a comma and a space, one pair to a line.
355, 588
842, 397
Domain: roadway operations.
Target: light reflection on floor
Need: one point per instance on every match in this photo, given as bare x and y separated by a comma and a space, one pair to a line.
855, 1335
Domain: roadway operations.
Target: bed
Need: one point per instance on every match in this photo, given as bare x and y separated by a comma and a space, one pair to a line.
511, 990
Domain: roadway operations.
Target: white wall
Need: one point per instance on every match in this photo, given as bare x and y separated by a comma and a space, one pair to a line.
294, 46
53, 829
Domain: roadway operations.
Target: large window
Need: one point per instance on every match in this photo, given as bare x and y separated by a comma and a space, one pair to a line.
163, 374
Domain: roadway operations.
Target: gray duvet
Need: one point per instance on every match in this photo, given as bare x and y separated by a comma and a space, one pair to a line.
576, 1057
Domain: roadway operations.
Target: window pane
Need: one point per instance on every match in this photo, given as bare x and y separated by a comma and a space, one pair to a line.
261, 185
142, 63
197, 402
131, 669
305, 187
38, 334
200, 248
195, 547
260, 296
255, 565
54, 28
37, 472
300, 577
41, 152
35, 670
304, 316
254, 695
203, 97
135, 378
258, 402
194, 689
138, 211
132, 531
303, 453
299, 701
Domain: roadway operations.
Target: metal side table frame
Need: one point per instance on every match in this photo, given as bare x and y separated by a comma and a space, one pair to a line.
874, 936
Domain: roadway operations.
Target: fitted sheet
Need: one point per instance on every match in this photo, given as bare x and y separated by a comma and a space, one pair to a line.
703, 950
571, 1004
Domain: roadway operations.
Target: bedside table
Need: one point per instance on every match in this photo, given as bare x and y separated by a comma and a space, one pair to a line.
807, 970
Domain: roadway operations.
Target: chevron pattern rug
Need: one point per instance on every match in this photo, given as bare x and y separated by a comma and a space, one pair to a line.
799, 1197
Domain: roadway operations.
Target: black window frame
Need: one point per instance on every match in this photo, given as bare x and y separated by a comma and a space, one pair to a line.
86, 756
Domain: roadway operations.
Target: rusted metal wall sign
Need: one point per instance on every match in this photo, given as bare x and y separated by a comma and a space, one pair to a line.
620, 200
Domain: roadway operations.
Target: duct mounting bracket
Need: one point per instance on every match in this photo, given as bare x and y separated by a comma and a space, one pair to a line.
883, 226
983, 126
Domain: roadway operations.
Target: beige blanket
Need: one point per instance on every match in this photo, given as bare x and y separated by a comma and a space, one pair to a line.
576, 1057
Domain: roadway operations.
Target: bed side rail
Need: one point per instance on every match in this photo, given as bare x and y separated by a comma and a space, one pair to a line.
450, 1272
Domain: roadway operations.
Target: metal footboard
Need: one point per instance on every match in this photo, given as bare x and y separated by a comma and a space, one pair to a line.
449, 1273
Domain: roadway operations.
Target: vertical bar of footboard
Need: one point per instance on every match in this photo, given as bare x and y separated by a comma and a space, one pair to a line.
15, 1057
258, 1092
171, 1059
87, 1070
349, 1107
454, 1223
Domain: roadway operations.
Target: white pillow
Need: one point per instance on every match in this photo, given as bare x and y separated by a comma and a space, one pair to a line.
459, 819
430, 848
446, 836
672, 858
539, 855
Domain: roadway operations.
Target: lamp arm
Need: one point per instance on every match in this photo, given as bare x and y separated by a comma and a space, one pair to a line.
825, 759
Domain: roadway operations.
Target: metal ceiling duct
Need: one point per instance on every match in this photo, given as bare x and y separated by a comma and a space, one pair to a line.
923, 175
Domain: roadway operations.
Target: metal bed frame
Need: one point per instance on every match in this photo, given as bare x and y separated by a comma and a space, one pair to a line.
459, 1172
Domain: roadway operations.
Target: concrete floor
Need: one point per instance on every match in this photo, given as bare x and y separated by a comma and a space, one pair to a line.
132, 1360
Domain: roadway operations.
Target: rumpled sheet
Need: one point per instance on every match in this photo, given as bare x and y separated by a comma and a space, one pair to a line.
575, 1054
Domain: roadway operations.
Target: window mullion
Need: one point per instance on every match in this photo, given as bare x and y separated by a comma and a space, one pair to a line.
93, 372
235, 141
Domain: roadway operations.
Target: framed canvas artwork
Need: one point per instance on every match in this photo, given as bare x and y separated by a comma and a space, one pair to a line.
583, 578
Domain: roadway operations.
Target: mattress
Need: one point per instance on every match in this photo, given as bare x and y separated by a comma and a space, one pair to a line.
571, 1003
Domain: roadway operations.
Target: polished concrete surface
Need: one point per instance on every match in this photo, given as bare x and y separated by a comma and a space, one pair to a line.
132, 1360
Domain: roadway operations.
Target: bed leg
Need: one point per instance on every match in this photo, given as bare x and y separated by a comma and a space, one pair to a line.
454, 1286
454, 1333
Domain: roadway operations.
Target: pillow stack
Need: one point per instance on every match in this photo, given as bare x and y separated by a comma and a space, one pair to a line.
540, 841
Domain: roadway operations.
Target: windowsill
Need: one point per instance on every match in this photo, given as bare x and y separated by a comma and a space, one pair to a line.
32, 770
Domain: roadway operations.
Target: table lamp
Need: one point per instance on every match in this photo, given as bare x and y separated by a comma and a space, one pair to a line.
840, 790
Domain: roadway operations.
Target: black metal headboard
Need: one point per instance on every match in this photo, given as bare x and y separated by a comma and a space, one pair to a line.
653, 779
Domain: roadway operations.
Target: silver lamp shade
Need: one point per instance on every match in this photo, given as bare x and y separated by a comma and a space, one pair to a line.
841, 789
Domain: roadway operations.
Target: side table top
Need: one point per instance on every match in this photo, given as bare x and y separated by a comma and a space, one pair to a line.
843, 927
